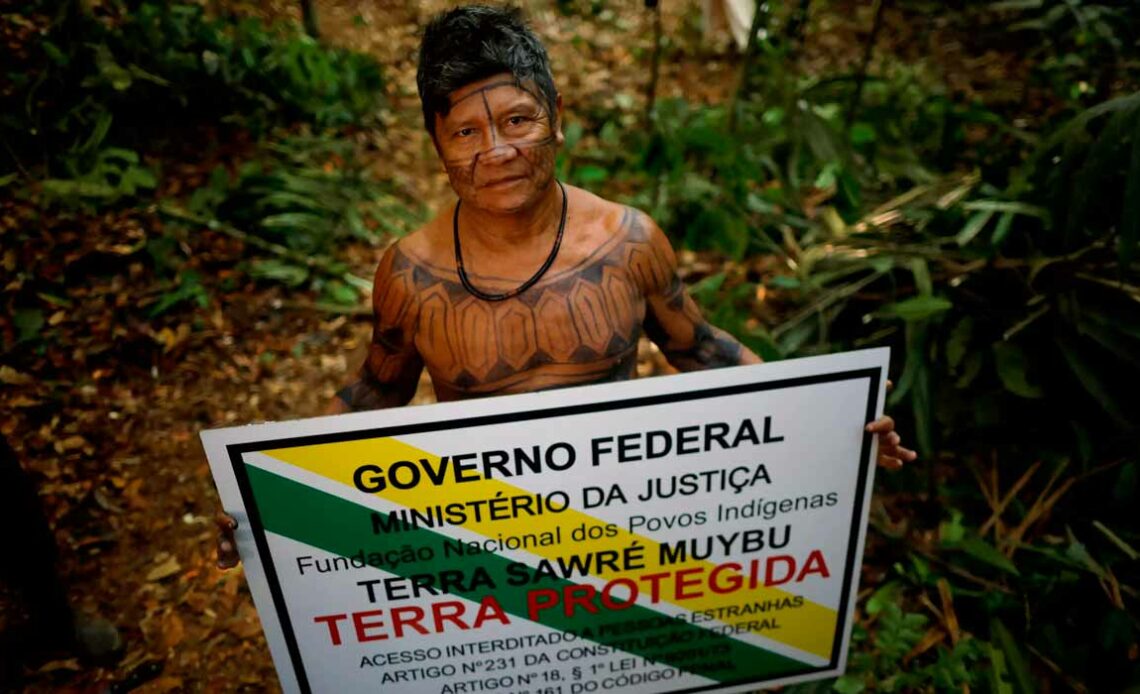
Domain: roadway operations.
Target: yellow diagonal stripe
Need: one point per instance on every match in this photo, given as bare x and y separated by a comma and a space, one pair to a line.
810, 627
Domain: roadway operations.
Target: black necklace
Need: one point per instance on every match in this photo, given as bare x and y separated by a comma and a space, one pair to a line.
525, 285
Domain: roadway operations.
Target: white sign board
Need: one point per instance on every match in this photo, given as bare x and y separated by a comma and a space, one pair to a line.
689, 533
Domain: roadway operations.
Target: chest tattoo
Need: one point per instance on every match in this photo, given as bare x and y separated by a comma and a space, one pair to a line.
578, 325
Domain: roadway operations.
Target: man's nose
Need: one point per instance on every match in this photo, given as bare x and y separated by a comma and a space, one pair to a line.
498, 154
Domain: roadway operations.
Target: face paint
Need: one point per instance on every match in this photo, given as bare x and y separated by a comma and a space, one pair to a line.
498, 141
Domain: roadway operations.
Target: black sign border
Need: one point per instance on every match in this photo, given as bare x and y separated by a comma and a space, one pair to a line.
236, 450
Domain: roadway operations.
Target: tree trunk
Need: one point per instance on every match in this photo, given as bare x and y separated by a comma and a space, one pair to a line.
655, 65
744, 82
309, 18
794, 33
868, 52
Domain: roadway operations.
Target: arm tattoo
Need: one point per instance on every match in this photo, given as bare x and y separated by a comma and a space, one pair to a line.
674, 322
366, 393
712, 348
390, 373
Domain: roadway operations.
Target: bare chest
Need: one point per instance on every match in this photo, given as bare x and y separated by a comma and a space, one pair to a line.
580, 326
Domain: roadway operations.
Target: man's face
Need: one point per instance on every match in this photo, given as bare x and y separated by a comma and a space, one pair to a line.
498, 144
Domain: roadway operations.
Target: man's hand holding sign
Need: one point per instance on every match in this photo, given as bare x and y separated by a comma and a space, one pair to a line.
529, 285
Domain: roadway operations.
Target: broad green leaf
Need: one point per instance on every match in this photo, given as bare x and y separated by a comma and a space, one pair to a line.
983, 551
850, 683
1015, 661
63, 301
914, 363
784, 282
915, 382
1000, 677
142, 74
921, 274
1127, 484
888, 594
1007, 5
284, 200
1007, 208
28, 322
916, 308
970, 369
590, 173
1130, 216
881, 264
98, 133
57, 56
340, 293
1124, 322
293, 220
1116, 631
65, 188
279, 271
862, 134
1001, 230
826, 177
1093, 381
921, 566
1077, 552
973, 226
1116, 342
572, 134
1012, 368
959, 342
137, 177
922, 404
610, 133
708, 286
127, 156
951, 532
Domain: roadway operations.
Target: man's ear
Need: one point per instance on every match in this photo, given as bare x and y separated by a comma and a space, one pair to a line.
558, 136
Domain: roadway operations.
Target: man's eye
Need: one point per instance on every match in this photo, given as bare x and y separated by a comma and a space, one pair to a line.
516, 120
465, 132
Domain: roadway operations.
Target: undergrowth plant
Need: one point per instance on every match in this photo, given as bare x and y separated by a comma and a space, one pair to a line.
1000, 266
104, 94
131, 72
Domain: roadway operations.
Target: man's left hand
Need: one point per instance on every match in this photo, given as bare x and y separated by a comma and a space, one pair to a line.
891, 454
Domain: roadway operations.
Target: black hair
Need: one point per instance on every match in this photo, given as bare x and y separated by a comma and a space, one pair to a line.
471, 43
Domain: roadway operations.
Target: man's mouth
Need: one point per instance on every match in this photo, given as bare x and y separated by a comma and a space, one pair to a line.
504, 182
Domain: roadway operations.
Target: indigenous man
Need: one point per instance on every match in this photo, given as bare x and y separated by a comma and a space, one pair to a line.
524, 283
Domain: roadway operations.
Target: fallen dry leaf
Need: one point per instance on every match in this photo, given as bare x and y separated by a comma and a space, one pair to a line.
13, 377
164, 570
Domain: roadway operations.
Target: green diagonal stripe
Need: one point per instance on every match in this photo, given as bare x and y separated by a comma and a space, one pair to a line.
341, 527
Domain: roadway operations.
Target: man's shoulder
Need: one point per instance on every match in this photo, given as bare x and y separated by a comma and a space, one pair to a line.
428, 248
613, 218
430, 244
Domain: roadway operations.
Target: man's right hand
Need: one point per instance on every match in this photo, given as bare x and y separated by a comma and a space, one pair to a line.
227, 547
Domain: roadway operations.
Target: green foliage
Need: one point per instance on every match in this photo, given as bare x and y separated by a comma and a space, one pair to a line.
187, 287
100, 97
881, 659
308, 193
1078, 47
305, 196
1000, 266
152, 65
114, 173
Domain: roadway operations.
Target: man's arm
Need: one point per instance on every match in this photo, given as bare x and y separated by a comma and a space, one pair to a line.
391, 371
690, 343
672, 319
389, 375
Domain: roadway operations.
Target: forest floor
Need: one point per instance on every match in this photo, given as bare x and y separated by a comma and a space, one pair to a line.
107, 418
